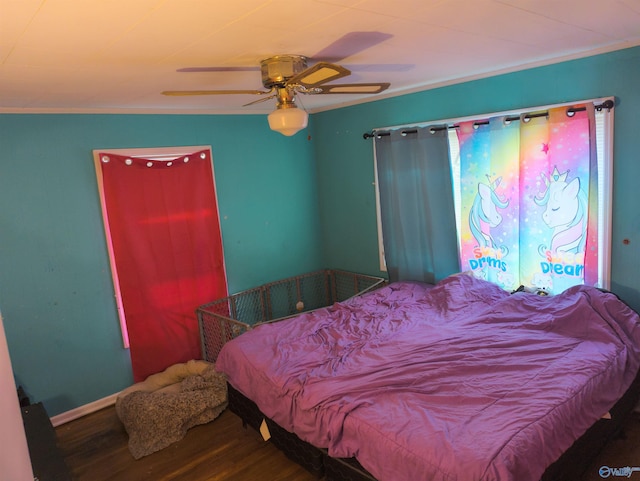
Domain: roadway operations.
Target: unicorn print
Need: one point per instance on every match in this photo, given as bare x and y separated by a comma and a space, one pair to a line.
505, 279
484, 214
542, 281
565, 212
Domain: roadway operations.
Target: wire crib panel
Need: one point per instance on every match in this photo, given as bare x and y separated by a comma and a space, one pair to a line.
294, 295
349, 284
224, 319
215, 331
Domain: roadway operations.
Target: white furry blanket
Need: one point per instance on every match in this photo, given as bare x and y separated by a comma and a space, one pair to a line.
159, 411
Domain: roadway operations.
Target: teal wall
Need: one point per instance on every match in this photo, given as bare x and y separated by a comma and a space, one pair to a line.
345, 160
55, 284
287, 205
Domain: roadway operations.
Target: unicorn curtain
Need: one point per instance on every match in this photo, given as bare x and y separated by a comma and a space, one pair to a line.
529, 199
416, 205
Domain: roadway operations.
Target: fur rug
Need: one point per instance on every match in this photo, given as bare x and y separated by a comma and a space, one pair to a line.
159, 411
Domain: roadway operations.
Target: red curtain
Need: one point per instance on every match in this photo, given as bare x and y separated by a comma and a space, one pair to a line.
163, 222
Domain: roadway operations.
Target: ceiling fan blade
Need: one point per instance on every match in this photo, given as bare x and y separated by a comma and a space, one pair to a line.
350, 44
214, 92
260, 100
380, 67
361, 88
219, 69
320, 73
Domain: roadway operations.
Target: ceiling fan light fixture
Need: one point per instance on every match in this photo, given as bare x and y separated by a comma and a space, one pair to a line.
288, 119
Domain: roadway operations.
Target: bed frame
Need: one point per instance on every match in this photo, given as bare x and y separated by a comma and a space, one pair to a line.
569, 467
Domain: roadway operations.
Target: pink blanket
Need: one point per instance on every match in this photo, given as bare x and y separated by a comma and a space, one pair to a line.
461, 381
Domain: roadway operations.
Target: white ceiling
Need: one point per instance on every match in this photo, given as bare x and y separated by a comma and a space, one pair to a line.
118, 55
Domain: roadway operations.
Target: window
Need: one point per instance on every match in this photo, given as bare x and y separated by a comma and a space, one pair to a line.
163, 235
523, 168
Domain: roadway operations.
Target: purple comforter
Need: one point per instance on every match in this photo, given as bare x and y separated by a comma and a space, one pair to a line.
461, 381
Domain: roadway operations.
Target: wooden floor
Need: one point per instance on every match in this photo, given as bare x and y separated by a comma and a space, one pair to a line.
95, 449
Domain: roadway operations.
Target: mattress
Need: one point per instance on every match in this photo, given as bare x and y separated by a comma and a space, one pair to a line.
455, 381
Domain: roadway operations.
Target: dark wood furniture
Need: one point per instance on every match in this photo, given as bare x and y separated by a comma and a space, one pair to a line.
46, 460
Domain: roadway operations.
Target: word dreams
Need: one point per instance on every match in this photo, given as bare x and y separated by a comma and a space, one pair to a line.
559, 263
487, 257
563, 264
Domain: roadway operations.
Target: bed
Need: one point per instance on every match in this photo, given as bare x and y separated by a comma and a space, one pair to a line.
457, 381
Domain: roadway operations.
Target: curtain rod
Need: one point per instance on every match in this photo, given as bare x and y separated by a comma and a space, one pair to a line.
607, 104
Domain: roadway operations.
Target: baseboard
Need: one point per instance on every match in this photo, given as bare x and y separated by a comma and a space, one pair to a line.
80, 411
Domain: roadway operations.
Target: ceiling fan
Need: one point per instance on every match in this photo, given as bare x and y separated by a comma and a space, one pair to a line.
287, 75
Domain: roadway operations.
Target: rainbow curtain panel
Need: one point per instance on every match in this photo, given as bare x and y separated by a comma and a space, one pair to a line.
529, 199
